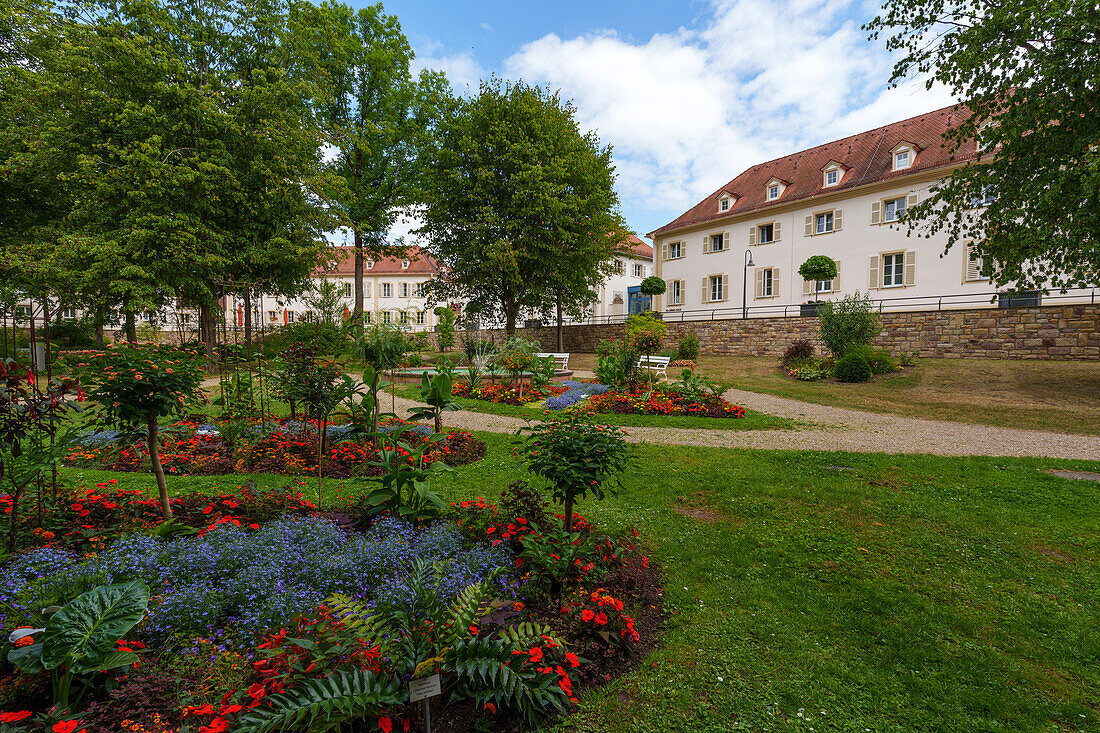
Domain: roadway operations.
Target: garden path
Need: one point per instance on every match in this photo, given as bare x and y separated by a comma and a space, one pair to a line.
832, 429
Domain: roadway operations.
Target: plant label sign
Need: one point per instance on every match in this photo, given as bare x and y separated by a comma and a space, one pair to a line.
424, 687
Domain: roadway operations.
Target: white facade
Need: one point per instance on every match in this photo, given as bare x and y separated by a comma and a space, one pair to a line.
612, 301
860, 228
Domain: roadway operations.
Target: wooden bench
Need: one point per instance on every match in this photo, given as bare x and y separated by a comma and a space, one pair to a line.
656, 364
561, 361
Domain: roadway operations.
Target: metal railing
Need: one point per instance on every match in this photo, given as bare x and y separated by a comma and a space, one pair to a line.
884, 305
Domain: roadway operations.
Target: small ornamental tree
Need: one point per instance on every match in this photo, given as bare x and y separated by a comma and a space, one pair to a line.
575, 456
447, 318
137, 386
643, 335
653, 286
818, 268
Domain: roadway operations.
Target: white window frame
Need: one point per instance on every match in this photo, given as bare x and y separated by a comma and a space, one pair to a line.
420, 318
896, 276
69, 314
370, 264
760, 233
404, 290
824, 223
676, 292
714, 286
773, 192
823, 286
639, 270
386, 317
720, 238
420, 289
898, 166
724, 203
290, 316
387, 290
767, 289
347, 290
678, 252
886, 209
404, 264
835, 174
366, 288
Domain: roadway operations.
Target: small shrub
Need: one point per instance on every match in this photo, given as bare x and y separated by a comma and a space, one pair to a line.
799, 350
851, 321
879, 360
688, 348
852, 368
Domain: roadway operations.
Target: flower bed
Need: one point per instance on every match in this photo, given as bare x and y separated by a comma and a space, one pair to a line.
640, 401
249, 619
286, 447
508, 394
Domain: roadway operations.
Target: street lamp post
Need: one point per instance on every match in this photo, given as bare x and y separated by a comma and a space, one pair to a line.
745, 284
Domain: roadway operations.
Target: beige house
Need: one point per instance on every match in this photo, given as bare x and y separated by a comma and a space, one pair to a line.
847, 200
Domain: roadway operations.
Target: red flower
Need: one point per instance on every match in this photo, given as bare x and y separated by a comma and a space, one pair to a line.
13, 717
385, 724
217, 725
536, 654
601, 619
573, 659
67, 726
587, 615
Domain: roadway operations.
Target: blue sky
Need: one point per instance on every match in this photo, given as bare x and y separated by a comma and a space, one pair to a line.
688, 94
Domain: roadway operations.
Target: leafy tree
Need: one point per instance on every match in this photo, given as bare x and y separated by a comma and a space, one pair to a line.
447, 317
137, 387
851, 321
1026, 72
519, 206
371, 110
575, 455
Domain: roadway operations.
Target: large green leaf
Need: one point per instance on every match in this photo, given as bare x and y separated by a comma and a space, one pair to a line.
114, 660
27, 659
89, 626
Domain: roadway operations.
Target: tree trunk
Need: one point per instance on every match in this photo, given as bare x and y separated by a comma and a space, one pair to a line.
561, 339
357, 314
158, 469
131, 327
248, 318
208, 328
511, 313
439, 421
568, 513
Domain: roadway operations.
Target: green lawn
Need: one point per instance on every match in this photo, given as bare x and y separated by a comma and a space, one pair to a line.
842, 592
751, 421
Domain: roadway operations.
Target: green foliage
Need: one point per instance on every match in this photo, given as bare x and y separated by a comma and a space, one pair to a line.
852, 368
552, 552
616, 363
446, 335
519, 205
851, 321
653, 285
543, 371
420, 340
818, 267
575, 455
436, 392
383, 346
1025, 74
403, 489
132, 384
516, 356
797, 351
879, 360
79, 639
687, 348
325, 704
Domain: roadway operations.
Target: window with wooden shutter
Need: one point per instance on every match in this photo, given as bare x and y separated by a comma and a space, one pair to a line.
809, 225
752, 235
911, 200
873, 269
725, 241
837, 214
706, 244
775, 231
725, 287
876, 212
706, 290
664, 253
807, 287
835, 284
973, 265
759, 282
910, 267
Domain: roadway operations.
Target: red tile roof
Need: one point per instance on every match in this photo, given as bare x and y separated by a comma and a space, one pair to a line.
637, 248
867, 156
420, 263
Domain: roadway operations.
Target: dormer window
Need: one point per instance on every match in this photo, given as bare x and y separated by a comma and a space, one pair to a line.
903, 155
774, 188
901, 160
331, 266
404, 264
370, 264
726, 200
724, 204
831, 177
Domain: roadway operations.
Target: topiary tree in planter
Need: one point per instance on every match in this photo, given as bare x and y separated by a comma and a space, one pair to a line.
137, 386
817, 268
653, 286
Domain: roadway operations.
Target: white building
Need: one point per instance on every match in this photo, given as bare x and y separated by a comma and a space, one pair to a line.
393, 292
620, 294
846, 200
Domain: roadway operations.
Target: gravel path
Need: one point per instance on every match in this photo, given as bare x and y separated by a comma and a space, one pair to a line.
833, 428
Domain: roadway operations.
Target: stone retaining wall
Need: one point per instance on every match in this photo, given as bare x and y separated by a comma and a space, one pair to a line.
1046, 332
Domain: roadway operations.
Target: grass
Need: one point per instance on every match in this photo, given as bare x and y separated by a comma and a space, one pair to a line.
1059, 396
751, 421
842, 592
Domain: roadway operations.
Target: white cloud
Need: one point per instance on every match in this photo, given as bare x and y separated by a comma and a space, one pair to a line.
462, 69
686, 111
486, 27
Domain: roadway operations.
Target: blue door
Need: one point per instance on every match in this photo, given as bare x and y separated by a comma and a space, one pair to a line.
636, 302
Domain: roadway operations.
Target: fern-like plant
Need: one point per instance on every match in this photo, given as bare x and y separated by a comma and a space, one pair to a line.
324, 704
